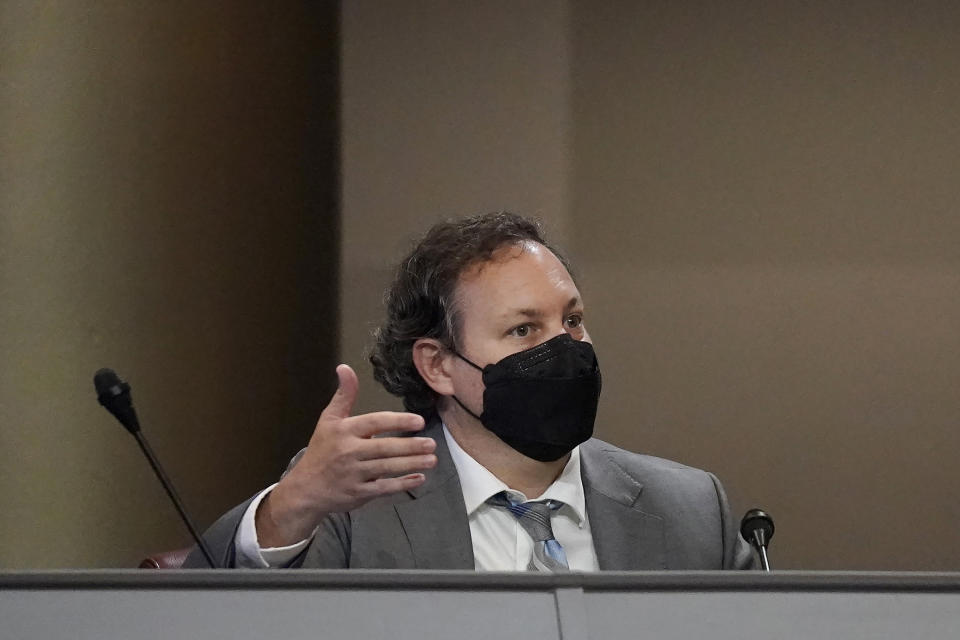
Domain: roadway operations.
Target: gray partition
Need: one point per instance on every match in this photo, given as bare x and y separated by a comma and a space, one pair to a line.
398, 605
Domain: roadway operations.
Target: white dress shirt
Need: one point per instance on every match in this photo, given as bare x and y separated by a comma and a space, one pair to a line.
499, 542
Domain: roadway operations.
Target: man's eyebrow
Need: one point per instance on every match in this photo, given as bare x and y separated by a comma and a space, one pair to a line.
528, 313
536, 313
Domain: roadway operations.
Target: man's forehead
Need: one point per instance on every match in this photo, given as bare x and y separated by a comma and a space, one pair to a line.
515, 272
508, 253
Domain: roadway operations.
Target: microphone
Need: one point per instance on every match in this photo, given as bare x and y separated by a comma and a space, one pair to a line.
757, 528
114, 394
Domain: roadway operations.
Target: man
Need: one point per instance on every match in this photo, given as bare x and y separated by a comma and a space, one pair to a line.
493, 466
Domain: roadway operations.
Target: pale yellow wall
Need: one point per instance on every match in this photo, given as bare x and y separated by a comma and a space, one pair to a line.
152, 203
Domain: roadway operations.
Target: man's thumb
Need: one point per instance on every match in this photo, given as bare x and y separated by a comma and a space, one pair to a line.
342, 402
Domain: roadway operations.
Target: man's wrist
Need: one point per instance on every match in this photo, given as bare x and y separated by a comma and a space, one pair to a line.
279, 524
249, 553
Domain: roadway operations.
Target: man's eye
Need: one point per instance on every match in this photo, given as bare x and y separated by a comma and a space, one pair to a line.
574, 321
522, 331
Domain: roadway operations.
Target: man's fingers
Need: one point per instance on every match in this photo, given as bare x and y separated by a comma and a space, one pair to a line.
371, 424
383, 467
386, 486
376, 448
341, 404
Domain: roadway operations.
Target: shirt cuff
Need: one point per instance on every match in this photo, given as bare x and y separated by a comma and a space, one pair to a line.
249, 553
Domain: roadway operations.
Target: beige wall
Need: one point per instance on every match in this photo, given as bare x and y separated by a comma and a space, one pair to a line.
153, 203
760, 198
777, 264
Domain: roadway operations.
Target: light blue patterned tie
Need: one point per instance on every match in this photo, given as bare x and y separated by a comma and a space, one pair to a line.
534, 517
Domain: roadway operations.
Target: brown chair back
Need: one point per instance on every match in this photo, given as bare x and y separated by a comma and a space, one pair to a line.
166, 559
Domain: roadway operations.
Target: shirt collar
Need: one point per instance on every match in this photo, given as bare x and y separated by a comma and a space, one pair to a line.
478, 484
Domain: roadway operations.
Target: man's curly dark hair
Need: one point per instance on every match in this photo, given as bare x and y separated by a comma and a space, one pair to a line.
420, 302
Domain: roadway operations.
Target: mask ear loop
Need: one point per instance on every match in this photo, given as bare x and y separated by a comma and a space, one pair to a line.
478, 368
463, 406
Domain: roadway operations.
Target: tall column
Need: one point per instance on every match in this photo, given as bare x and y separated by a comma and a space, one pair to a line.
168, 193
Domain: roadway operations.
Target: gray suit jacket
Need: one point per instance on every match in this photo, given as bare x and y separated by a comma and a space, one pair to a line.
645, 513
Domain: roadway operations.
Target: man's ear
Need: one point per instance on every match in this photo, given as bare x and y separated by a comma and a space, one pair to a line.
432, 361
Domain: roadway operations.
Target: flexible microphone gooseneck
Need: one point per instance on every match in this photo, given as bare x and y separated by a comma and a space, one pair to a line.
114, 394
757, 528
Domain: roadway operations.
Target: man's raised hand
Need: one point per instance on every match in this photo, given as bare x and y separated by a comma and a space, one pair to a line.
344, 466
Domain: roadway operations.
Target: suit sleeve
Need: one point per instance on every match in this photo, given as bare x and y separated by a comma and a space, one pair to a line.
329, 546
220, 538
737, 554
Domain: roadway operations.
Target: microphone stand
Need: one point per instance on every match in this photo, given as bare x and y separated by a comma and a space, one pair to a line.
764, 561
168, 487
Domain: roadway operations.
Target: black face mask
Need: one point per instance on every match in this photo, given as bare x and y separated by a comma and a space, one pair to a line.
542, 401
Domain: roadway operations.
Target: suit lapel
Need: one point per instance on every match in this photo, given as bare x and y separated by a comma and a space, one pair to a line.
435, 520
625, 537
